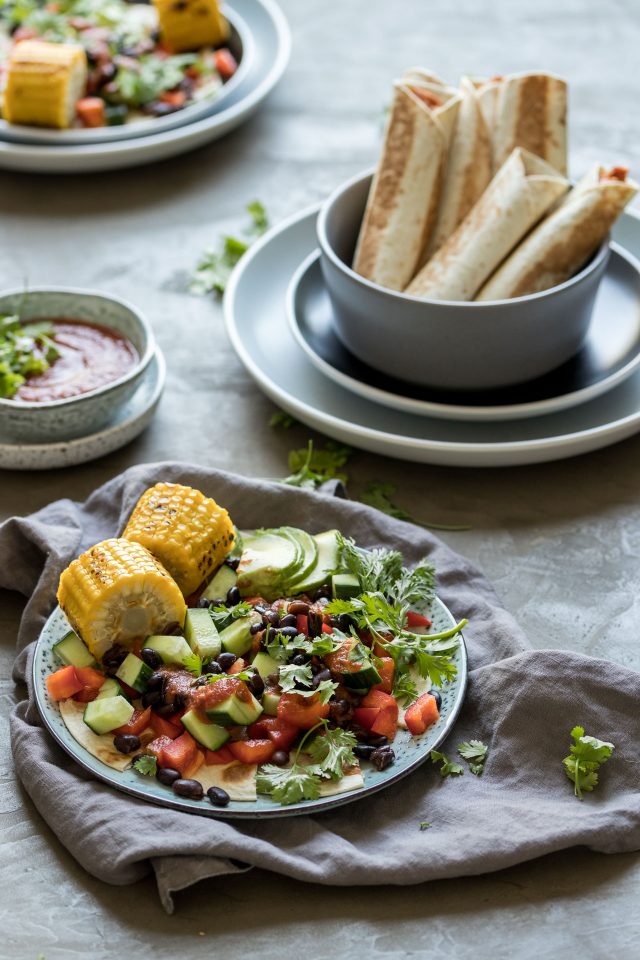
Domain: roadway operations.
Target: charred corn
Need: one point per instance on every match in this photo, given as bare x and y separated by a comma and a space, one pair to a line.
117, 592
188, 532
191, 24
44, 81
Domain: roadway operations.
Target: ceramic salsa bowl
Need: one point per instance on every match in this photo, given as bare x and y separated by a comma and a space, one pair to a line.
59, 420
446, 344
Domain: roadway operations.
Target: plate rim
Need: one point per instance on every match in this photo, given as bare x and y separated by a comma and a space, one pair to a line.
305, 807
451, 411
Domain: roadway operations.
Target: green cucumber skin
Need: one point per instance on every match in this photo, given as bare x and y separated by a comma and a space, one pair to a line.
110, 688
234, 712
73, 651
220, 584
264, 664
103, 716
201, 634
172, 649
209, 735
134, 672
270, 703
361, 679
237, 637
344, 586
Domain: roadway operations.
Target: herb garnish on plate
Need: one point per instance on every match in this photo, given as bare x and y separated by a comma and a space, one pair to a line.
25, 349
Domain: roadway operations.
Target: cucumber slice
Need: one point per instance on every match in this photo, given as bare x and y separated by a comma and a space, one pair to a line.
72, 651
102, 716
221, 583
210, 735
233, 711
237, 638
264, 664
134, 672
270, 701
327, 562
353, 665
110, 688
171, 649
268, 559
201, 634
344, 586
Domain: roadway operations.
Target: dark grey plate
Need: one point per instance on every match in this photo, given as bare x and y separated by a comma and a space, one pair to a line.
610, 354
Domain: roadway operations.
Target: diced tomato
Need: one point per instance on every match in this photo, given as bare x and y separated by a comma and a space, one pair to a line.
64, 683
180, 753
175, 98
386, 723
139, 722
282, 734
195, 765
421, 714
327, 628
90, 111
302, 624
417, 620
238, 666
223, 755
175, 719
365, 717
91, 681
386, 668
226, 64
156, 746
164, 728
302, 712
252, 751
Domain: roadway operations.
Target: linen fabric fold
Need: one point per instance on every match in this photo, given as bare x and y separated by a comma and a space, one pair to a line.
521, 703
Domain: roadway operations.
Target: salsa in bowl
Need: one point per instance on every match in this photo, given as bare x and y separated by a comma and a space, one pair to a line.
68, 360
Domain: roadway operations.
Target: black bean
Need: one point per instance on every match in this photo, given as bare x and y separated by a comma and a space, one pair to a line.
272, 679
226, 660
158, 109
126, 742
155, 681
382, 757
344, 622
280, 758
112, 659
340, 711
322, 592
261, 608
151, 657
363, 751
233, 596
151, 697
300, 659
289, 620
298, 606
213, 667
377, 740
165, 709
361, 735
188, 788
271, 617
256, 685
288, 631
203, 603
436, 696
321, 677
218, 602
167, 775
256, 628
218, 796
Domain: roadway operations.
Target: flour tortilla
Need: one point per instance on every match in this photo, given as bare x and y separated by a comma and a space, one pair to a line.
531, 112
564, 241
521, 192
99, 746
238, 779
467, 169
405, 191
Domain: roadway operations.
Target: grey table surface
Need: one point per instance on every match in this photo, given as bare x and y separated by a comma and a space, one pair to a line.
561, 541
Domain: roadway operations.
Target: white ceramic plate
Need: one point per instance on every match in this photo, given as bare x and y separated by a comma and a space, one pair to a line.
272, 45
240, 42
130, 420
258, 329
610, 354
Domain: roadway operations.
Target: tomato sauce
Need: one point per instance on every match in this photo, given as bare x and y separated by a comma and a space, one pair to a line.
90, 357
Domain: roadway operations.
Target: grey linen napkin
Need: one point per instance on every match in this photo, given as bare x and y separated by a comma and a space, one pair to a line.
520, 702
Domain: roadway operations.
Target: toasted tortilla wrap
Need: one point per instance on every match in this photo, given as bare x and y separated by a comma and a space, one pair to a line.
467, 168
405, 191
519, 195
531, 112
564, 241
99, 746
238, 779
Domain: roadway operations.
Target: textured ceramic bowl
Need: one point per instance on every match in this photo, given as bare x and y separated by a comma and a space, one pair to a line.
61, 420
446, 344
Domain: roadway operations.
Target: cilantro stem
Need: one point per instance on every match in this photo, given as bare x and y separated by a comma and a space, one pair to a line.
320, 723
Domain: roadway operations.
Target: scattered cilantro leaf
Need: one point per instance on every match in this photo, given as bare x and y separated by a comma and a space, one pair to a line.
424, 824
292, 674
146, 78
586, 757
289, 784
447, 767
214, 267
193, 664
220, 614
240, 675
475, 753
146, 765
325, 690
310, 468
378, 495
283, 420
404, 687
332, 751
25, 349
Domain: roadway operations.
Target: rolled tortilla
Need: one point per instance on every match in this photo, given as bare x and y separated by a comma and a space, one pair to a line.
521, 192
531, 112
403, 200
564, 241
487, 94
467, 169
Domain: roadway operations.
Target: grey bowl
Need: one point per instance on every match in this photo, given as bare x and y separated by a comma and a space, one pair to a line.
446, 344
61, 420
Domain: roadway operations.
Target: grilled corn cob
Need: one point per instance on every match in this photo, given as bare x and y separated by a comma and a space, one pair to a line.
191, 24
188, 533
44, 81
117, 592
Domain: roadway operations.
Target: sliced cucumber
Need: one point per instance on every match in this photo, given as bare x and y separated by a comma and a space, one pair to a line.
72, 651
201, 634
171, 649
270, 701
344, 586
210, 735
237, 638
221, 583
352, 663
102, 716
264, 664
268, 559
110, 688
134, 672
327, 562
233, 711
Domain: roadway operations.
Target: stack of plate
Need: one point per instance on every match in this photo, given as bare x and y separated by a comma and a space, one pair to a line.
290, 348
259, 37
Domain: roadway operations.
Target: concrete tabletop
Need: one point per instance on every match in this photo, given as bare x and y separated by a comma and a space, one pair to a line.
561, 541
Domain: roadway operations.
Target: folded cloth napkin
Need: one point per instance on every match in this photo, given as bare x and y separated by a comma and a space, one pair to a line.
521, 703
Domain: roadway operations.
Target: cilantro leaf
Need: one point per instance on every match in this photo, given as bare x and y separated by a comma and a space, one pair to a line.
475, 753
289, 784
146, 765
147, 77
215, 266
325, 690
292, 674
404, 687
282, 419
25, 349
258, 214
424, 824
447, 767
310, 468
193, 664
379, 495
221, 613
587, 754
332, 751
240, 675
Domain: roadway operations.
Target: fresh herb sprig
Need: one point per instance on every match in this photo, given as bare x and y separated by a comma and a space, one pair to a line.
310, 467
448, 768
25, 349
246, 675
146, 764
475, 753
379, 495
587, 754
146, 78
298, 678
214, 267
221, 613
330, 753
